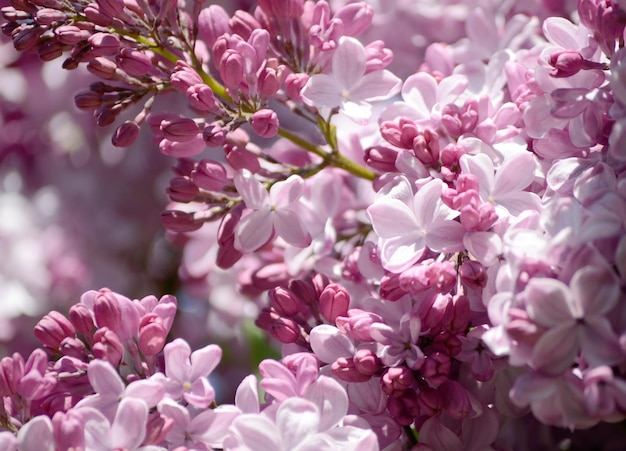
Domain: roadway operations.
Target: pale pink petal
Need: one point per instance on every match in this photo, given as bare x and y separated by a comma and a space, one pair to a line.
420, 91
596, 289
286, 192
549, 301
515, 173
427, 203
150, 391
252, 192
129, 427
392, 218
531, 387
360, 112
329, 344
277, 380
561, 32
247, 395
256, 431
450, 88
297, 419
486, 247
211, 426
201, 394
439, 437
254, 230
179, 414
36, 435
8, 442
104, 379
204, 360
377, 85
517, 203
599, 344
348, 63
556, 350
349, 438
177, 365
331, 400
400, 253
322, 91
482, 167
290, 228
445, 236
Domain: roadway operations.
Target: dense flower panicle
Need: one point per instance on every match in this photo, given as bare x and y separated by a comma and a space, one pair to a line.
439, 257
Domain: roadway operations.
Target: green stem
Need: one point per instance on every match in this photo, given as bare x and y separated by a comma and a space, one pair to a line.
410, 435
334, 159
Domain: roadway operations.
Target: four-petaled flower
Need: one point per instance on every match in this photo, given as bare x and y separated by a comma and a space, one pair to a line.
348, 86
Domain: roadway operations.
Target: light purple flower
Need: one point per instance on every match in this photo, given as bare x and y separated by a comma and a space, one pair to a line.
187, 372
400, 345
273, 212
575, 318
110, 389
504, 187
127, 430
406, 230
207, 429
349, 87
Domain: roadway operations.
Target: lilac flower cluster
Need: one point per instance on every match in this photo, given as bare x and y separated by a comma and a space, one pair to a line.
436, 256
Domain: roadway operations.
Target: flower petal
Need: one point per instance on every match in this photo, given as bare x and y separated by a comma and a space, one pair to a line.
348, 63
291, 229
254, 230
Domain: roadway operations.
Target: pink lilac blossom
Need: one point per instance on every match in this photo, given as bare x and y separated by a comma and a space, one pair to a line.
438, 258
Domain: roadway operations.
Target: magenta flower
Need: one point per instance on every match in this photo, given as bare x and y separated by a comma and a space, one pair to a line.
405, 231
349, 87
273, 212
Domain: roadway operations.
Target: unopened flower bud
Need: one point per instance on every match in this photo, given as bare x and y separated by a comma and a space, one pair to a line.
240, 158
212, 23
265, 123
73, 347
181, 129
334, 301
134, 62
214, 135
48, 16
381, 158
82, 320
201, 98
282, 8
182, 149
231, 68
284, 301
436, 368
184, 76
104, 44
404, 409
367, 362
357, 324
126, 134
52, 329
294, 83
356, 17
179, 221
87, 100
102, 67
396, 380
243, 23
107, 346
209, 175
152, 334
344, 368
111, 8
566, 63
181, 189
